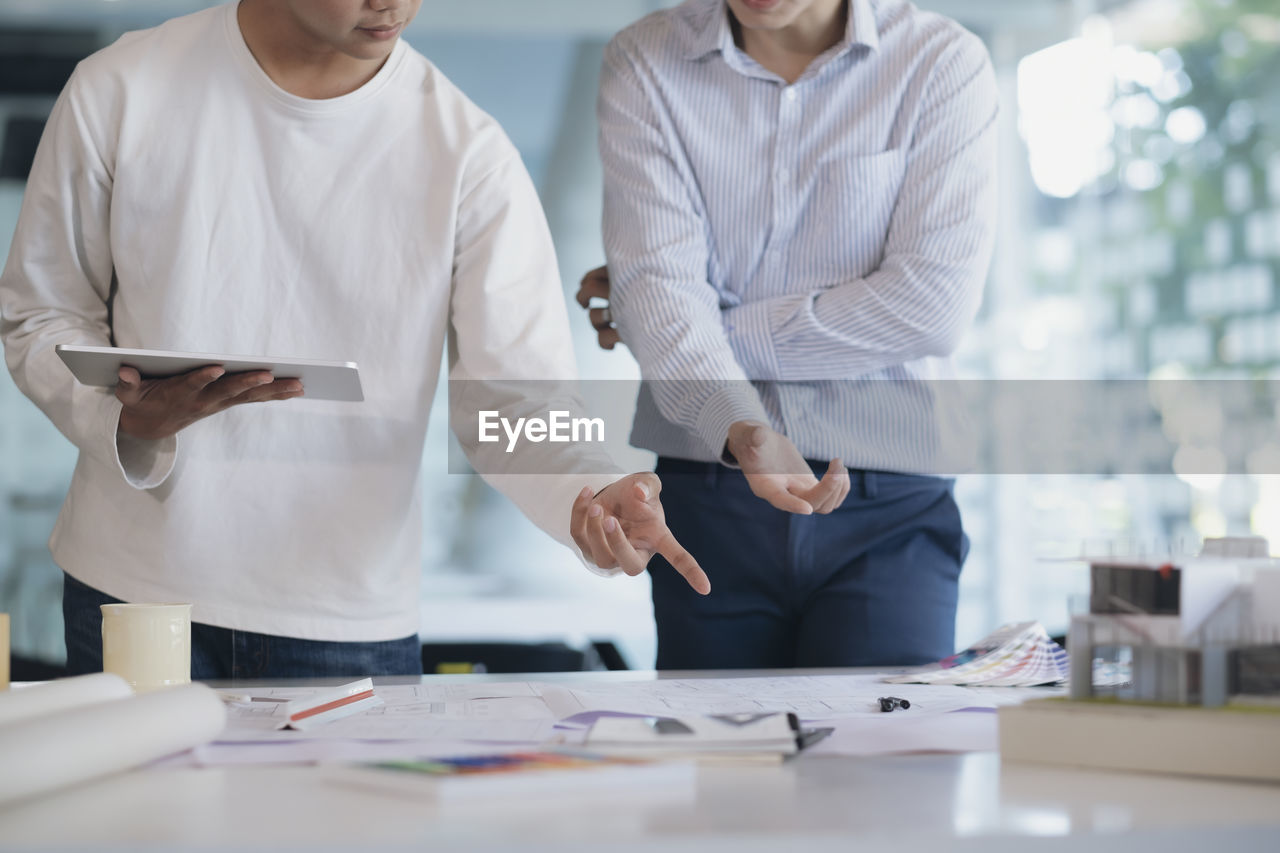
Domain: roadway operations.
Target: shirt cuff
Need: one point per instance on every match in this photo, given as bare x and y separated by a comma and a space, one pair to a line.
749, 329
144, 463
734, 402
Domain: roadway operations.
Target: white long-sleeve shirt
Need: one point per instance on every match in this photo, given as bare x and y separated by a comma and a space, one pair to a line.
235, 217
778, 250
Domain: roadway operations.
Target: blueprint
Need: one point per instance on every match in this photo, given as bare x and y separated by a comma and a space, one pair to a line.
811, 697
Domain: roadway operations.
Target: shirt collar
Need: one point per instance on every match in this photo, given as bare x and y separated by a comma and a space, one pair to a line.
862, 27
710, 31
713, 32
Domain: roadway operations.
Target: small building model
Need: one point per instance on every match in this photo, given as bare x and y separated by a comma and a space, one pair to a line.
1195, 630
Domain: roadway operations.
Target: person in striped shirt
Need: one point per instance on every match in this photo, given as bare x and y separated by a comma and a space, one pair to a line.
798, 222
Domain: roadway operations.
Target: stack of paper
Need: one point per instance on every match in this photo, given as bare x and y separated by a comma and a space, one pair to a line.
443, 719
809, 697
1017, 655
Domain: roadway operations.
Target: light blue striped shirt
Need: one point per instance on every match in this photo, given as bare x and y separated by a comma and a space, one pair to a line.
809, 238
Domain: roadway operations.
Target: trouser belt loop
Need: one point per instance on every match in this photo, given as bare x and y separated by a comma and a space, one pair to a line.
713, 474
869, 489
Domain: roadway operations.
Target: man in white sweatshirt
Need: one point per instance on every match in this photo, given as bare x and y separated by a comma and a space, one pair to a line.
286, 177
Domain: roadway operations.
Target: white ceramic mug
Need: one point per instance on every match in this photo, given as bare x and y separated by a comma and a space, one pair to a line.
148, 645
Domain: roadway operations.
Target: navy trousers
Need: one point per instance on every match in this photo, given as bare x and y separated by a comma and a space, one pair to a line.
221, 653
874, 583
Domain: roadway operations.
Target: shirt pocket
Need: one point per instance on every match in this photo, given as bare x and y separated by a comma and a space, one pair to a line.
855, 198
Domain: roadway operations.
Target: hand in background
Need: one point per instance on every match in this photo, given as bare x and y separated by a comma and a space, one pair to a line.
159, 408
596, 284
777, 473
624, 525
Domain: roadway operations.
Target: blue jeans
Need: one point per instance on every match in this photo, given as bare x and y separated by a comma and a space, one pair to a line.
223, 653
872, 584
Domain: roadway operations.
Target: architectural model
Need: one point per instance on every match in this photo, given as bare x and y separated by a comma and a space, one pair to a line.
1201, 630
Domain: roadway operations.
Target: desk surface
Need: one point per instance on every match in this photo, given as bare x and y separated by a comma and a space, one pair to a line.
894, 803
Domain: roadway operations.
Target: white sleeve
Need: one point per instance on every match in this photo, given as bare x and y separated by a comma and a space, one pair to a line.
509, 345
57, 284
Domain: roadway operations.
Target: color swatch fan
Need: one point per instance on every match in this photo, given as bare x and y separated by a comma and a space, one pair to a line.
1017, 655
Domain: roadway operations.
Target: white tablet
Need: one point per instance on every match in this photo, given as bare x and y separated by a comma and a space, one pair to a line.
321, 380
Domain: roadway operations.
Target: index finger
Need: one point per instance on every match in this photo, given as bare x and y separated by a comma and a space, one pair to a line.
684, 563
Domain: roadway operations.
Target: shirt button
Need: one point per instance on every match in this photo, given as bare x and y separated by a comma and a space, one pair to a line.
789, 93
783, 174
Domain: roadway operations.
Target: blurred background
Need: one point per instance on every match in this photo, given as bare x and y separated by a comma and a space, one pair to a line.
1139, 237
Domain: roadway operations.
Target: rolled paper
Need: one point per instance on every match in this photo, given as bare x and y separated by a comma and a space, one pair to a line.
45, 753
61, 695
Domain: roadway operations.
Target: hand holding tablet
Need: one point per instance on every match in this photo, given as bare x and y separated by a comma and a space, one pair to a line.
321, 380
165, 392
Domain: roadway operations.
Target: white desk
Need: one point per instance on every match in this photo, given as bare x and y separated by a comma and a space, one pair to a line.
902, 803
